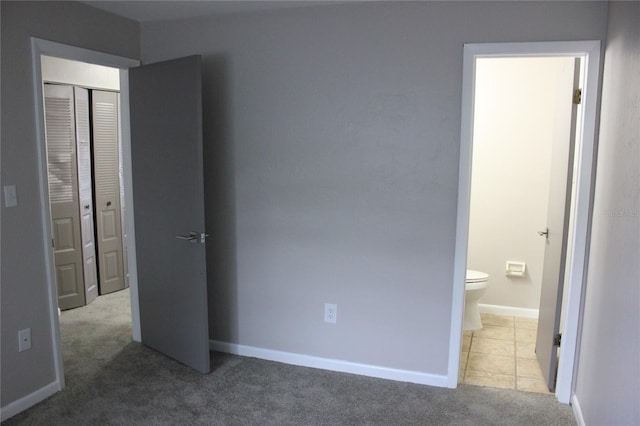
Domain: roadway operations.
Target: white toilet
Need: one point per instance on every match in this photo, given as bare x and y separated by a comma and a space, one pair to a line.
475, 286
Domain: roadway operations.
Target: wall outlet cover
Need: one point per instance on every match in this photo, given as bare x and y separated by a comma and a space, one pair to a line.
24, 339
330, 313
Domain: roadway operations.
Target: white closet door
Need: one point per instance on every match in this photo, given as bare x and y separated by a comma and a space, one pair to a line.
63, 195
83, 146
107, 190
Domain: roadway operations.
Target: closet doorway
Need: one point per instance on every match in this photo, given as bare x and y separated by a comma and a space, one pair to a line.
84, 152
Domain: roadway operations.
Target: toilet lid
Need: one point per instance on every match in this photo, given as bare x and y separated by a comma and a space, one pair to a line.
476, 276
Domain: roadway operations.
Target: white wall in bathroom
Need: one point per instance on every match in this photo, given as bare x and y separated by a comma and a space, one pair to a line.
515, 126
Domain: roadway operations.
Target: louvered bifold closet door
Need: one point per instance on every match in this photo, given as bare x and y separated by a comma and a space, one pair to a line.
63, 194
83, 145
107, 190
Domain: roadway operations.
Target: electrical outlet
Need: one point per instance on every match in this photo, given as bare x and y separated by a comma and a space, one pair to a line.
24, 339
330, 313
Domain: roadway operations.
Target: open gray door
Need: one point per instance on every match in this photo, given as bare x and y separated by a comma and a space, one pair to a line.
556, 234
168, 204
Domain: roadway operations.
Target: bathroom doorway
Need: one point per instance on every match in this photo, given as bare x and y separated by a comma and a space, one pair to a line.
504, 189
522, 117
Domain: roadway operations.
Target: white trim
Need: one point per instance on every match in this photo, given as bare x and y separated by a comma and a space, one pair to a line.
576, 259
44, 47
30, 400
52, 294
577, 411
330, 364
59, 50
462, 220
127, 173
508, 310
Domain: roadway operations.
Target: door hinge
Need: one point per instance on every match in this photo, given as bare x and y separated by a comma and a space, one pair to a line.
577, 96
556, 340
53, 243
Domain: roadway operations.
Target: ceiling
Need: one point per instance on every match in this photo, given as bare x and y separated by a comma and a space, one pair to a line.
148, 11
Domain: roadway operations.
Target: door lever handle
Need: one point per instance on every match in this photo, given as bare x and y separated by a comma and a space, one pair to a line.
544, 233
192, 237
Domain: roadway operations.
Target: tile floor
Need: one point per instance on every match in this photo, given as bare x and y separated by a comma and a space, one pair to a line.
501, 355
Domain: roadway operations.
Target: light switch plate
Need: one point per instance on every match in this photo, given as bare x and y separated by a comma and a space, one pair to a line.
10, 196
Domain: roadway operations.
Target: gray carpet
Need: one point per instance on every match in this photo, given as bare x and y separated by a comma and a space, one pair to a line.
111, 380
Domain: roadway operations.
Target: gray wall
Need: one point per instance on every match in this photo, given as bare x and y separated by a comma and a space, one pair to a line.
608, 382
24, 289
332, 138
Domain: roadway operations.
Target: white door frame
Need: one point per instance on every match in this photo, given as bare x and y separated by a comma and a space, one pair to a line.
584, 161
44, 47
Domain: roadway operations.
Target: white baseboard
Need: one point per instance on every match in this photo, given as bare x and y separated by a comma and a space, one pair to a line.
508, 310
28, 401
330, 364
577, 411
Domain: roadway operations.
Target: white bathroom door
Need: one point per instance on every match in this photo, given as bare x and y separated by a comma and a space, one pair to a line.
168, 205
557, 230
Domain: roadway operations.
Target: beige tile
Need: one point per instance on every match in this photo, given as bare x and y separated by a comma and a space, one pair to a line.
481, 378
526, 335
493, 346
499, 320
495, 332
529, 323
464, 357
526, 350
491, 363
531, 385
466, 343
467, 333
528, 368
